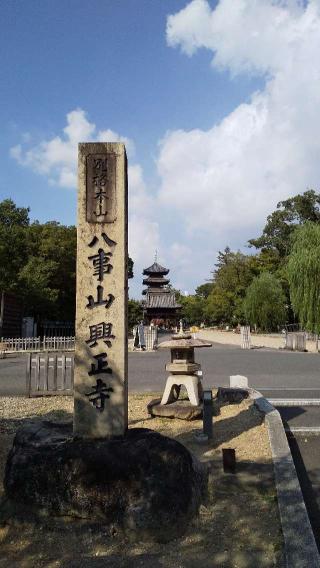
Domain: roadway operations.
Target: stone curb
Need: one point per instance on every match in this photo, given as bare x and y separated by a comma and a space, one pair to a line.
299, 543
294, 401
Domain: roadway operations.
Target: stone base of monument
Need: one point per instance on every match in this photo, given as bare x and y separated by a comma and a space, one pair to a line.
148, 485
182, 409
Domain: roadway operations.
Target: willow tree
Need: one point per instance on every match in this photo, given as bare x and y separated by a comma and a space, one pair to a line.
303, 270
264, 304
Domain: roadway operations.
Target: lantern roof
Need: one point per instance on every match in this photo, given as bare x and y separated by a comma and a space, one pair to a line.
183, 341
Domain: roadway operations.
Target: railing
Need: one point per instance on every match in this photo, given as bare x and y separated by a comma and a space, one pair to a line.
10, 345
49, 374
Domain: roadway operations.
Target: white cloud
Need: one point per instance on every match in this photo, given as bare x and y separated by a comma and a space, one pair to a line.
227, 179
218, 185
144, 236
57, 158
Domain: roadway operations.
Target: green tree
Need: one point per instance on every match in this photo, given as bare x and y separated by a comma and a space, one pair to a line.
130, 267
49, 275
233, 274
135, 313
281, 223
13, 246
204, 290
219, 306
192, 309
265, 302
38, 263
303, 271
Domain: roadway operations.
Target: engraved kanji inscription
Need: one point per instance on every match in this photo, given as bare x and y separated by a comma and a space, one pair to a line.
101, 366
101, 188
101, 263
100, 331
92, 303
106, 239
99, 394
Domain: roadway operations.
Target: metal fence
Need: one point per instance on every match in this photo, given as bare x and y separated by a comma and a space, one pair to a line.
49, 375
11, 345
245, 337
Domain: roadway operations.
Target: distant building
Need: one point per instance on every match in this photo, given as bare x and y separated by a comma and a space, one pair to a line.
160, 301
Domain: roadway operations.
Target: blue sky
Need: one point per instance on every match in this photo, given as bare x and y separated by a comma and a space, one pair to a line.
218, 103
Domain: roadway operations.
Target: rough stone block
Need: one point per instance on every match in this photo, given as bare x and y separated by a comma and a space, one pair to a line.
231, 395
144, 482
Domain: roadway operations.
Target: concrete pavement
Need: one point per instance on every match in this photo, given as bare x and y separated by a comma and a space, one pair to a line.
277, 374
268, 369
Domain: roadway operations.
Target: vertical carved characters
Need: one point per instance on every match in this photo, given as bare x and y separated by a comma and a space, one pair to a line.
100, 384
101, 267
101, 188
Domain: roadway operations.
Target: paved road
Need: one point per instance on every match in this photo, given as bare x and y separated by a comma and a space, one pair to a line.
300, 416
265, 369
306, 451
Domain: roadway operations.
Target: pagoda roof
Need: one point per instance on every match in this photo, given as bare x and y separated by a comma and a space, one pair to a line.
156, 280
156, 290
161, 301
156, 268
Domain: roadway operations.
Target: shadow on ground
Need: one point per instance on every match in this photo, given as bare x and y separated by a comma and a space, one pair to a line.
226, 533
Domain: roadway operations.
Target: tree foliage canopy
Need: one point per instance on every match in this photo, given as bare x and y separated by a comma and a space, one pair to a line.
38, 263
281, 223
303, 270
264, 304
135, 313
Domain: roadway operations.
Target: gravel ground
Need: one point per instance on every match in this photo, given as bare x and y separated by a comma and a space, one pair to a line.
238, 527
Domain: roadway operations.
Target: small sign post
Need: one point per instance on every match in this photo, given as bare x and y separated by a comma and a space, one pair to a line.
207, 413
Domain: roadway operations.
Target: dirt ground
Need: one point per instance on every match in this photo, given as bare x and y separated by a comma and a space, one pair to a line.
238, 527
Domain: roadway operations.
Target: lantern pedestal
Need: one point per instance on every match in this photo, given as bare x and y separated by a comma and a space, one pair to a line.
184, 371
193, 386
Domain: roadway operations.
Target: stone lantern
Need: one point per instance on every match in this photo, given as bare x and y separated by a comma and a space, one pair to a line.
183, 369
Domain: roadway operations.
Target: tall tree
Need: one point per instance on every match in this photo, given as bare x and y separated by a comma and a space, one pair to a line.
204, 290
265, 302
50, 271
303, 271
282, 222
38, 263
13, 245
233, 274
135, 313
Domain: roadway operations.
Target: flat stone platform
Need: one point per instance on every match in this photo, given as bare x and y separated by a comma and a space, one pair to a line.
181, 409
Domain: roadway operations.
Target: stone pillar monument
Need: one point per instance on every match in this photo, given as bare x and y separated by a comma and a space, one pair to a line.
87, 474
100, 381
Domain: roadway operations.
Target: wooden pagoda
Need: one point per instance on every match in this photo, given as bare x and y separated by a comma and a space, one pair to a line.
160, 301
